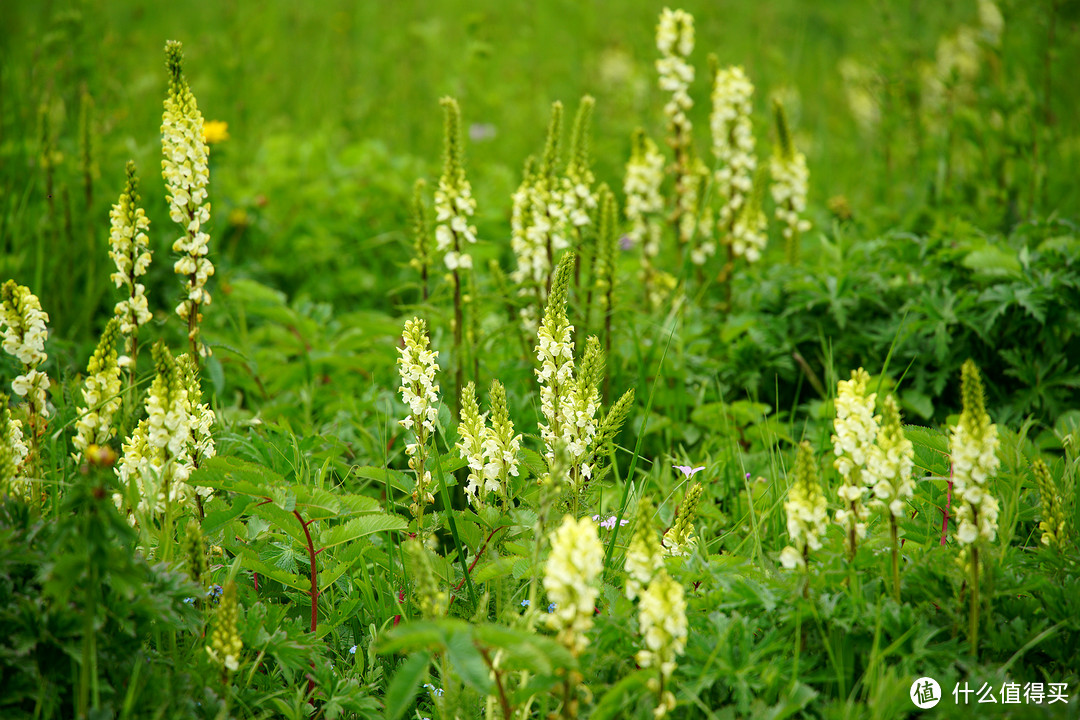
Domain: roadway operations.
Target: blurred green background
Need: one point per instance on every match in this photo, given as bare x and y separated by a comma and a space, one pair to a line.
332, 109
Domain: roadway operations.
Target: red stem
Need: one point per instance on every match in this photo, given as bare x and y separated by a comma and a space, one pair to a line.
478, 556
314, 584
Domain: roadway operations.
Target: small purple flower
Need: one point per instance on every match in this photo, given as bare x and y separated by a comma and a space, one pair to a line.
478, 132
747, 476
610, 522
626, 243
688, 471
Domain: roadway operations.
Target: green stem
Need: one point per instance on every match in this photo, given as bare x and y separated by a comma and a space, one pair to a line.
973, 619
895, 559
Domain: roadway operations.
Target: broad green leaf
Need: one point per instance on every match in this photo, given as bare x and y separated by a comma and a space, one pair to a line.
402, 691
358, 527
397, 479
420, 635
282, 576
467, 661
522, 650
496, 569
218, 519
232, 474
992, 261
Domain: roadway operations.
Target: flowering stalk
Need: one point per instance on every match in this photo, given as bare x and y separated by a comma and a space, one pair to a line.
807, 513
13, 452
23, 322
789, 182
662, 618
675, 41
733, 145
153, 467
555, 353
200, 444
129, 248
540, 222
500, 446
531, 253
579, 201
185, 168
973, 447
193, 550
417, 367
421, 259
679, 540
570, 579
225, 644
645, 554
1053, 525
101, 393
644, 208
470, 444
604, 276
856, 430
889, 467
454, 207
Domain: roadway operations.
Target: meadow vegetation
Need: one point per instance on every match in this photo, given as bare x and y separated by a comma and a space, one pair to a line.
455, 360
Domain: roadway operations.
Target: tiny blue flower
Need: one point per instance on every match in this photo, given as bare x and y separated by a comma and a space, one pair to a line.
352, 650
551, 608
214, 591
189, 601
525, 603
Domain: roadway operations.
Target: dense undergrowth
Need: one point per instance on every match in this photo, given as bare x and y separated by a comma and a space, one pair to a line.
581, 433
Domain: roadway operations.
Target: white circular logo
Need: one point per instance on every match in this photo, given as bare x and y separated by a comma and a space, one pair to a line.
925, 693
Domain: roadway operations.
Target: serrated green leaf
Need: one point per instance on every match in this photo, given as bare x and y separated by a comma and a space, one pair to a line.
231, 474
358, 527
534, 461
496, 569
522, 568
218, 519
397, 479
282, 576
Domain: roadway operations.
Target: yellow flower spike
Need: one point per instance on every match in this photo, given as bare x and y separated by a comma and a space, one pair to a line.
662, 618
675, 41
185, 168
101, 393
13, 452
856, 432
645, 555
679, 540
973, 447
570, 578
225, 645
806, 509
1053, 525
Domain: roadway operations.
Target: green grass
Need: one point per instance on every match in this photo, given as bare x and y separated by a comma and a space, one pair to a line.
941, 235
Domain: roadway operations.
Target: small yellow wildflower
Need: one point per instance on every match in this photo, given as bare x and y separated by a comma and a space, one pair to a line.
215, 131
